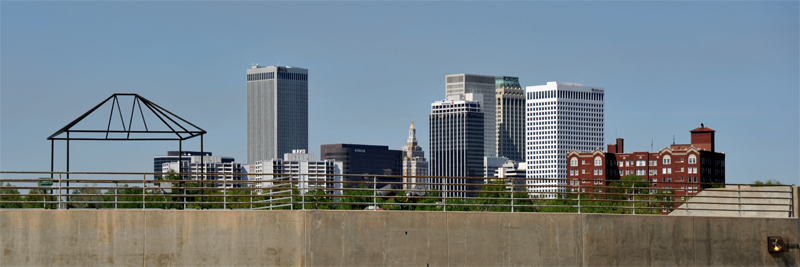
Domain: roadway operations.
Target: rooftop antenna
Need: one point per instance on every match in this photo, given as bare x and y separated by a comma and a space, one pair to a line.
651, 145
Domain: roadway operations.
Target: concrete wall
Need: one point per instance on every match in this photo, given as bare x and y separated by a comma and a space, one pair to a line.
385, 238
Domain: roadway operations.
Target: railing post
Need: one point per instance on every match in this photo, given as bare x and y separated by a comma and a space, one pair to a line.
144, 190
792, 207
633, 197
224, 191
59, 191
579, 197
444, 194
374, 193
512, 194
291, 193
303, 186
739, 197
116, 194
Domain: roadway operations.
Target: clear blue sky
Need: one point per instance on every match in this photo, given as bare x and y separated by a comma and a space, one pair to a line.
376, 66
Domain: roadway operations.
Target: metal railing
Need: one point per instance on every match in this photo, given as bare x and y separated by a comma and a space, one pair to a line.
119, 190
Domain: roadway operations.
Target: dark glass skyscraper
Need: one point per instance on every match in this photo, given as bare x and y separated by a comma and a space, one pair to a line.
456, 137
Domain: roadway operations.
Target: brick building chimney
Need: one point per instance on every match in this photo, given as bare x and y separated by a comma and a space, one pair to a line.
703, 138
616, 148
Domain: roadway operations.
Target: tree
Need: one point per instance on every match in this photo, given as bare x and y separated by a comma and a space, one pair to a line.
769, 182
89, 198
14, 196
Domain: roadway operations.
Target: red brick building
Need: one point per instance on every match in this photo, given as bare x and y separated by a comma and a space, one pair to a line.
685, 168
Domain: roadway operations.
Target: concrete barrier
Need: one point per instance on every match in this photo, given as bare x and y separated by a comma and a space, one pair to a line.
385, 238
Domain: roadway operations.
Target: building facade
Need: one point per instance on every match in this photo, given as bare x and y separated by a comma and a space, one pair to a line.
277, 111
680, 168
508, 170
510, 119
174, 156
366, 160
459, 84
414, 163
560, 117
208, 168
456, 140
300, 169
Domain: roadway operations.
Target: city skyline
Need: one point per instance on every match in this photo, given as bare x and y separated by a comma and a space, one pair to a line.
665, 67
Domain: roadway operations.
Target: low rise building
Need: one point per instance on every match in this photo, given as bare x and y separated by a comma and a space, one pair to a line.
684, 169
208, 168
299, 169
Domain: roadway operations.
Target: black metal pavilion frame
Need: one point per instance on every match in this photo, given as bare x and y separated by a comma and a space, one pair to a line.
160, 112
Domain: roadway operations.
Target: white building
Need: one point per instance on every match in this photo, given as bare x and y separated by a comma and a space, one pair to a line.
298, 168
509, 170
414, 163
277, 111
212, 168
559, 117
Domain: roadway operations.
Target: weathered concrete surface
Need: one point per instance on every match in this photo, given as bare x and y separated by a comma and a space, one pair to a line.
78, 237
646, 240
216, 238
385, 238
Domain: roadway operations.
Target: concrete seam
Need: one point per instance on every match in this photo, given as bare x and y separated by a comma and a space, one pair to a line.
447, 233
583, 239
694, 241
144, 242
305, 239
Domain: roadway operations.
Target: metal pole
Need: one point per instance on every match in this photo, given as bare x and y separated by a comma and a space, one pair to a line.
52, 146
116, 194
59, 191
739, 196
792, 207
224, 191
180, 166
144, 190
633, 197
512, 194
67, 170
374, 193
579, 197
202, 165
444, 194
291, 193
303, 187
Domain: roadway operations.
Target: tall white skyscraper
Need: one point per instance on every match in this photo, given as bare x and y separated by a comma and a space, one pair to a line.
277, 111
560, 117
460, 84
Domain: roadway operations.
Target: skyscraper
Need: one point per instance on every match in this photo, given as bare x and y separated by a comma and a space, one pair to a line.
560, 117
277, 111
456, 137
485, 85
510, 130
414, 163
